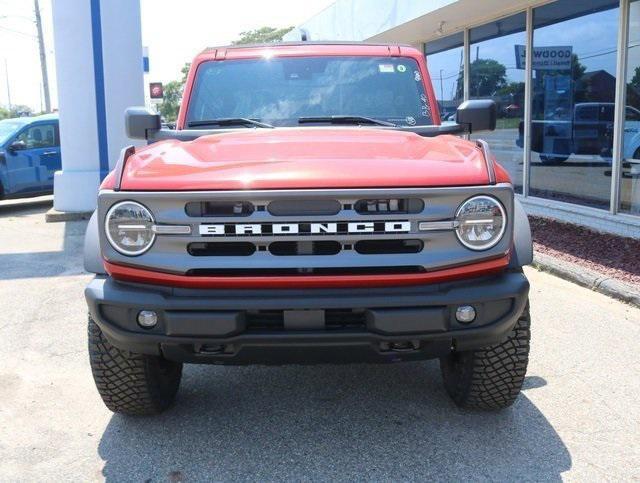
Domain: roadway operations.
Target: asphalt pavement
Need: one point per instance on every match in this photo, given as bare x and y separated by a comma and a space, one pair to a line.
577, 418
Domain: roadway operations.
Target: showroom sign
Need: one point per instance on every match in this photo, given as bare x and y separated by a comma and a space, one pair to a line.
546, 58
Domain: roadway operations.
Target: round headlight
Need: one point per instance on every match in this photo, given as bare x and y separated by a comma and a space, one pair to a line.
129, 228
481, 222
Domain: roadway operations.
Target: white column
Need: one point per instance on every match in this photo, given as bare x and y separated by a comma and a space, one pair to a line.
123, 71
98, 53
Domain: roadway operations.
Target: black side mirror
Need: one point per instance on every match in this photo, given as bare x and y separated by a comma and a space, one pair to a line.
477, 115
16, 146
140, 122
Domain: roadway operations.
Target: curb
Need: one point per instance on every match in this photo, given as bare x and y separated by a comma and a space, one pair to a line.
587, 278
53, 215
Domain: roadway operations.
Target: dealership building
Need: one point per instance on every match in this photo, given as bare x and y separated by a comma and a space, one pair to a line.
565, 76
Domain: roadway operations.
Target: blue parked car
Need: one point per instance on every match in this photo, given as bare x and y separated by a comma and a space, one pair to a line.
29, 155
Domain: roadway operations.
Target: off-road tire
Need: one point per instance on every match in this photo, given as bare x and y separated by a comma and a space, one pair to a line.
130, 383
491, 377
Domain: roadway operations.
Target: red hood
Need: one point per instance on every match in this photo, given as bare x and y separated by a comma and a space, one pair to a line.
305, 158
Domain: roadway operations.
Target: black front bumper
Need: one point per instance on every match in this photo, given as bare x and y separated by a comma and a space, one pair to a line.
308, 326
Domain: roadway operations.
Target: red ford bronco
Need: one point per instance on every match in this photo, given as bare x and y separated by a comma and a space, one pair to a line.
309, 207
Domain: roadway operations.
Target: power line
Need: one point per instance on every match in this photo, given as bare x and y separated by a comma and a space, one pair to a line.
18, 32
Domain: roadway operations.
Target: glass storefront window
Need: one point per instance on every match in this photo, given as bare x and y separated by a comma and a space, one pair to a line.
446, 66
630, 183
496, 71
573, 84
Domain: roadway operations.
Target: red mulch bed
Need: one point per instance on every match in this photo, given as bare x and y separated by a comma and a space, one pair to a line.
613, 256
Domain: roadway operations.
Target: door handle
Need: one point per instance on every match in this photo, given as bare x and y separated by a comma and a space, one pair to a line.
49, 153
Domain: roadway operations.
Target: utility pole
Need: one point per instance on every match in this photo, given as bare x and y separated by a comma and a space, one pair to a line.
6, 71
43, 58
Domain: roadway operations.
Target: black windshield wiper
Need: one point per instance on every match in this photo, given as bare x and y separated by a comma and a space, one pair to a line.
229, 121
344, 120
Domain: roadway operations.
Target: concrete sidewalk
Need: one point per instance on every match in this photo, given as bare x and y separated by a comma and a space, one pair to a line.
577, 419
588, 278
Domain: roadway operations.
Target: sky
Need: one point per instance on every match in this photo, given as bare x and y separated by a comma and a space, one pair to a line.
593, 38
174, 31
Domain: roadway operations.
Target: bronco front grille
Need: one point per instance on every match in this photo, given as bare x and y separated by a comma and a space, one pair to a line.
297, 232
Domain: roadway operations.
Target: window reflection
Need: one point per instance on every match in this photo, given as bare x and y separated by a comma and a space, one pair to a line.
574, 67
446, 66
496, 71
630, 183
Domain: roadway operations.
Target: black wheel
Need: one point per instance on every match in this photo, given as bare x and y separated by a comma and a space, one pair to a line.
555, 159
491, 377
129, 383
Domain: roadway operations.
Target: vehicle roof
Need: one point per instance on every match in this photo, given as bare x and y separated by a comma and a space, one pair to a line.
303, 44
29, 119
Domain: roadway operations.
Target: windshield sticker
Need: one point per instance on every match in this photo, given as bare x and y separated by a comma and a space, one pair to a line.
402, 68
410, 120
416, 76
425, 108
386, 68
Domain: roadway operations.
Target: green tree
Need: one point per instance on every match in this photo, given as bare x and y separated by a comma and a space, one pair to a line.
514, 89
18, 110
486, 77
577, 68
635, 80
4, 113
173, 95
262, 35
171, 101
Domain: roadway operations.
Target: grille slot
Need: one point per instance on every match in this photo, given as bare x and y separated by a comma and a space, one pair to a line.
344, 319
202, 209
287, 248
221, 249
304, 207
389, 206
335, 319
381, 247
265, 319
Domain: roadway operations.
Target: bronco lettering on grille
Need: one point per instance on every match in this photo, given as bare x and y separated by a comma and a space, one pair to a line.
329, 228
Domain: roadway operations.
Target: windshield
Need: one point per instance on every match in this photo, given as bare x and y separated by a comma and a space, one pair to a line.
8, 128
281, 90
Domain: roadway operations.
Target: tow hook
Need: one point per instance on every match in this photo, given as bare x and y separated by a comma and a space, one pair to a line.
210, 349
402, 346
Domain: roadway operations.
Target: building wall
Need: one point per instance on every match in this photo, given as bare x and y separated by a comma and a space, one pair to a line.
570, 150
363, 19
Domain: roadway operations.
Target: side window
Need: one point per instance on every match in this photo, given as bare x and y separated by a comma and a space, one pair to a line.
587, 113
40, 136
632, 114
606, 113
